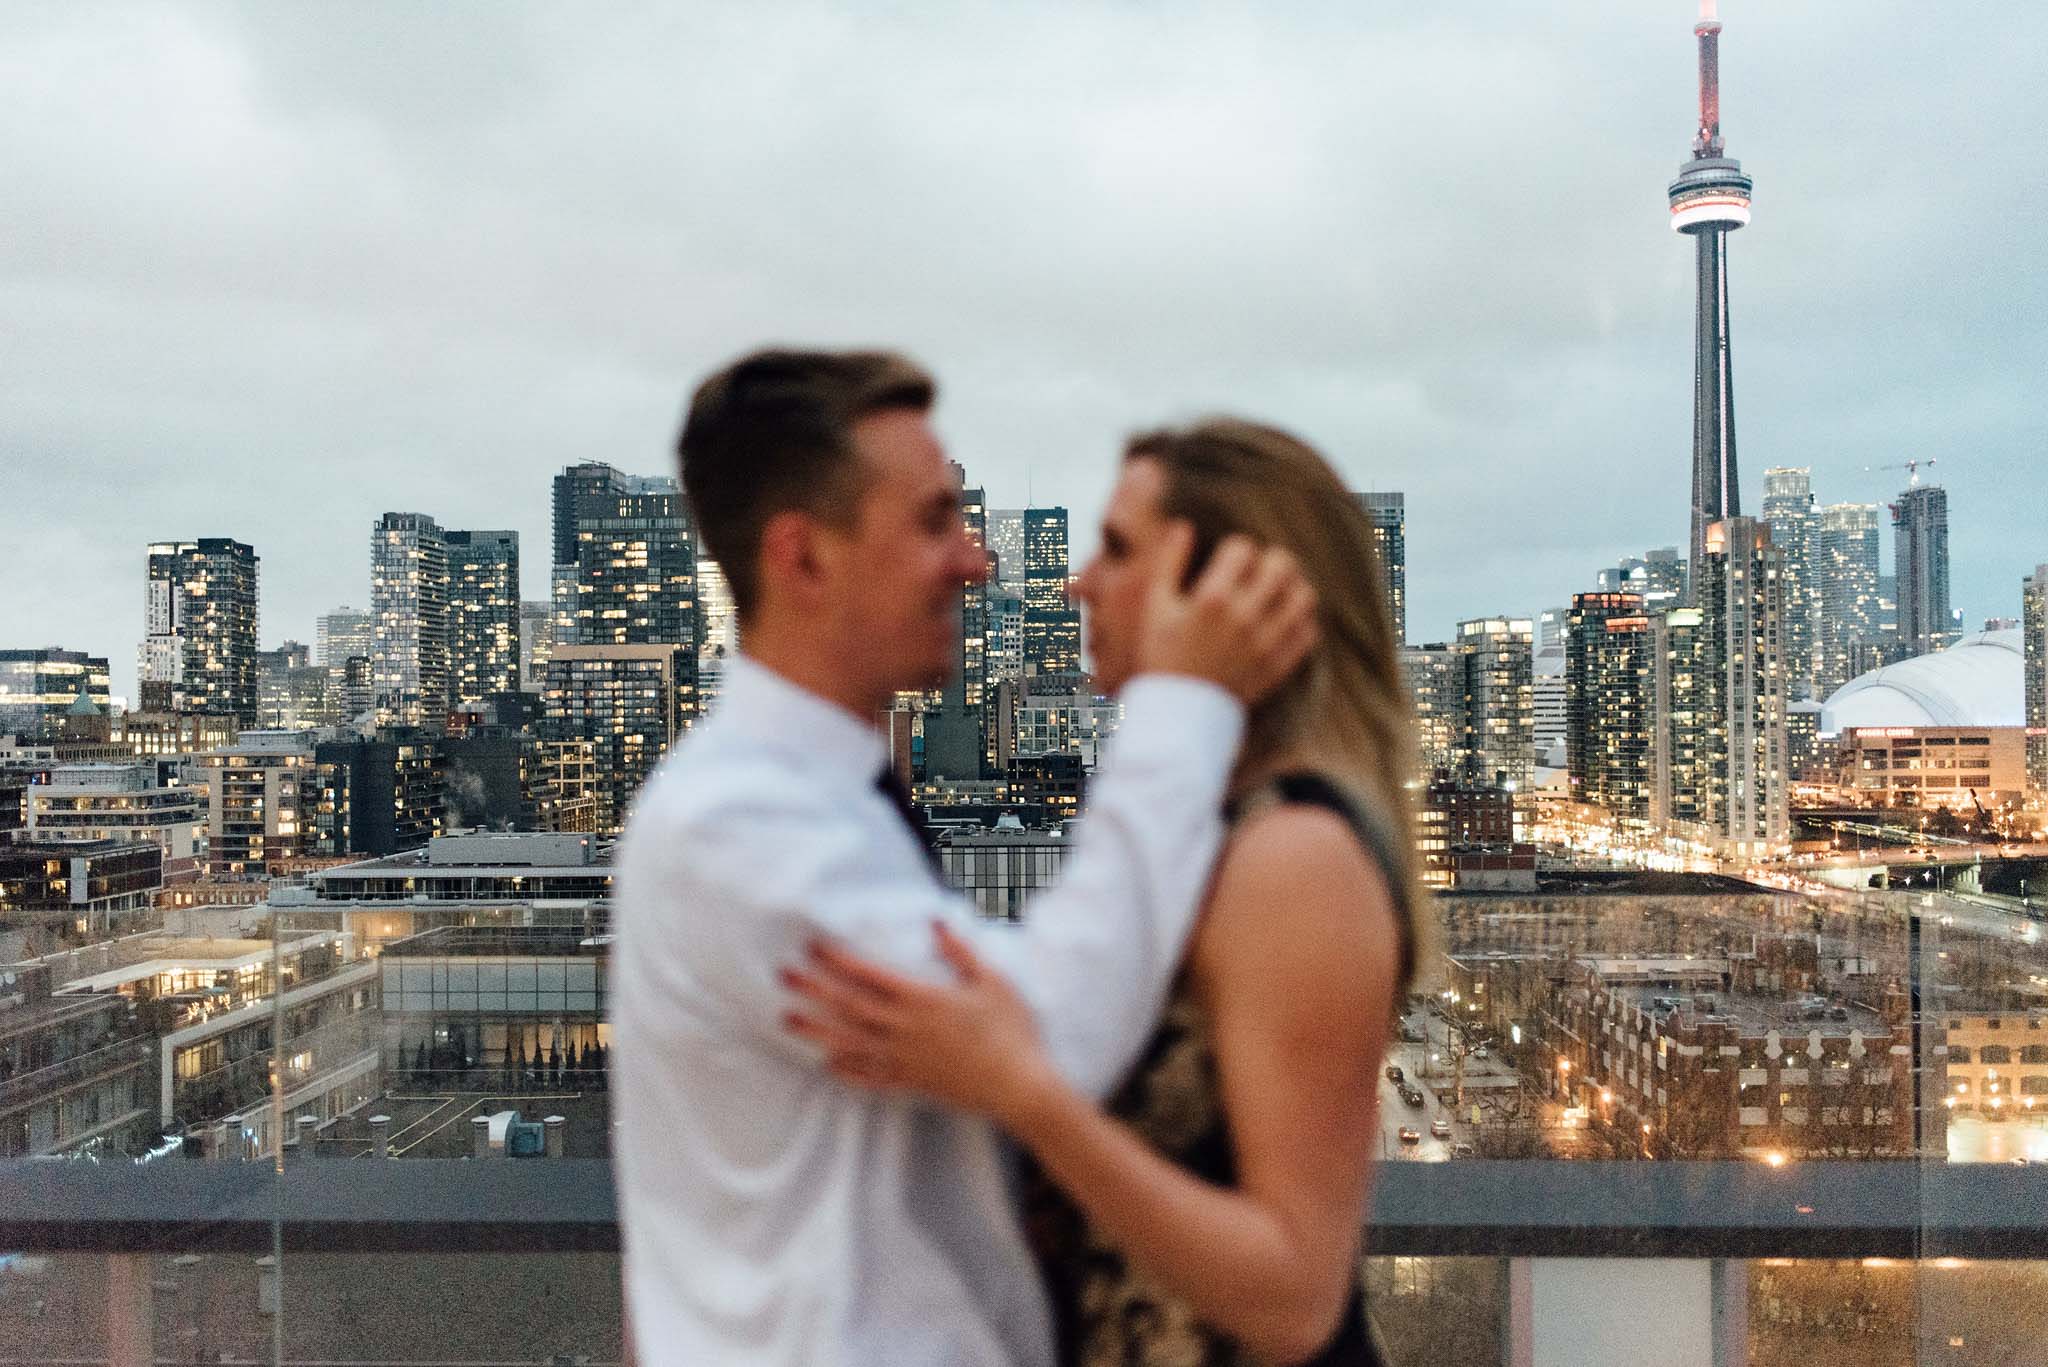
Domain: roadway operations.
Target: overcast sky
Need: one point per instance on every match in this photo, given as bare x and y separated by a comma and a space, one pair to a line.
270, 270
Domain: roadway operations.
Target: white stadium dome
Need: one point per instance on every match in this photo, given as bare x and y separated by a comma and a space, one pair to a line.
1979, 681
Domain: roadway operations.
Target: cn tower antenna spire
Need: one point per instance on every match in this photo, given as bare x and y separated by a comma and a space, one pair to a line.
1708, 30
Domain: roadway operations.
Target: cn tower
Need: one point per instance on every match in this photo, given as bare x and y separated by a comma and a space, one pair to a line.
1709, 200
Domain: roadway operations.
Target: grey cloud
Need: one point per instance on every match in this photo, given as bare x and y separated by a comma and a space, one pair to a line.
279, 267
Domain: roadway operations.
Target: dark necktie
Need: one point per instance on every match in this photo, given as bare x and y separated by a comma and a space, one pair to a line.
891, 787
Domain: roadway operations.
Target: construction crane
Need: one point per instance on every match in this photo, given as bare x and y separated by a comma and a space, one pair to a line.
1911, 467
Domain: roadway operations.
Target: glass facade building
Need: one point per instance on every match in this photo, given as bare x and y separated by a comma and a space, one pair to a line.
1585, 634
200, 611
38, 687
1846, 565
409, 612
625, 560
1388, 513
1500, 701
2034, 627
483, 614
628, 702
1795, 530
1920, 569
1052, 629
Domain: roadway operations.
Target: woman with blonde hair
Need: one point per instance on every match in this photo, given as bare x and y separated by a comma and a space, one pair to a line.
1211, 1211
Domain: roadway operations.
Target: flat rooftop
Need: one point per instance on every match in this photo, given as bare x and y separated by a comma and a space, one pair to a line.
494, 941
115, 963
1643, 968
1756, 1013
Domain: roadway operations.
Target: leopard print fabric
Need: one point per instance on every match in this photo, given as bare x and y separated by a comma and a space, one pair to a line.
1111, 1313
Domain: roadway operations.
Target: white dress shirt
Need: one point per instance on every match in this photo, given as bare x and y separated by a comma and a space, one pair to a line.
774, 1216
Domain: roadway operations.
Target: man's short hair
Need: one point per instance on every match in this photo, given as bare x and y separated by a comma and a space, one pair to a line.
774, 431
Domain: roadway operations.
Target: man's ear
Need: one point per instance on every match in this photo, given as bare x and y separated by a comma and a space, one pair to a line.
790, 568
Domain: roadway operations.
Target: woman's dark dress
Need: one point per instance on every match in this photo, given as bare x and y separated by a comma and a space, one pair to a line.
1111, 1314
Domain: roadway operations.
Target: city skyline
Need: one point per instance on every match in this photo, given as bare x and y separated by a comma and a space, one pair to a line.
412, 370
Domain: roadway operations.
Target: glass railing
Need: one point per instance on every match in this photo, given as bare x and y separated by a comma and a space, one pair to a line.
1629, 1119
504, 1261
104, 1061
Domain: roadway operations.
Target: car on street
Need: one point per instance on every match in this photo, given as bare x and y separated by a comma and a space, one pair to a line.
1413, 1096
1463, 1149
1440, 1127
1480, 1052
1410, 1135
1395, 1075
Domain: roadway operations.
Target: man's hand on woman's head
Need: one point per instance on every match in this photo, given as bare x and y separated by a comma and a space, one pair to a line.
1245, 624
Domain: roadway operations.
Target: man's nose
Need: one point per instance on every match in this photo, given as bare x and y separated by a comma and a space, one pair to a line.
1082, 588
973, 562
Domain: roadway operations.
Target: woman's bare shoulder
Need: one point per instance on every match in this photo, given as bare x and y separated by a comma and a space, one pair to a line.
1294, 888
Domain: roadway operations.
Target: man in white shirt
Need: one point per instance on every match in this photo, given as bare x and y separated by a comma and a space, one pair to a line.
771, 1214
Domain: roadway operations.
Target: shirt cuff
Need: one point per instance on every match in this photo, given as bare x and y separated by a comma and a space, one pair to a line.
1197, 708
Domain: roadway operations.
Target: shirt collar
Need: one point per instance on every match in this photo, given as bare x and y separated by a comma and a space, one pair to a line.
763, 705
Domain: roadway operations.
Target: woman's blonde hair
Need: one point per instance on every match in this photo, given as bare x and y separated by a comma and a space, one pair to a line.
1347, 705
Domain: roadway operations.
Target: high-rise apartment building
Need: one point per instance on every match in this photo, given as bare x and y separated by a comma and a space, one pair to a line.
1546, 691
483, 614
536, 643
1063, 717
1747, 788
1052, 629
1388, 513
1003, 649
1474, 703
720, 633
2034, 627
377, 794
1656, 576
409, 610
974, 599
1045, 559
1052, 641
87, 802
1795, 530
1616, 683
628, 702
625, 560
1499, 701
38, 688
1435, 675
1845, 562
340, 636
1682, 734
1547, 686
1659, 576
291, 691
1920, 561
1006, 542
625, 571
1585, 635
258, 802
352, 693
200, 612
343, 632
